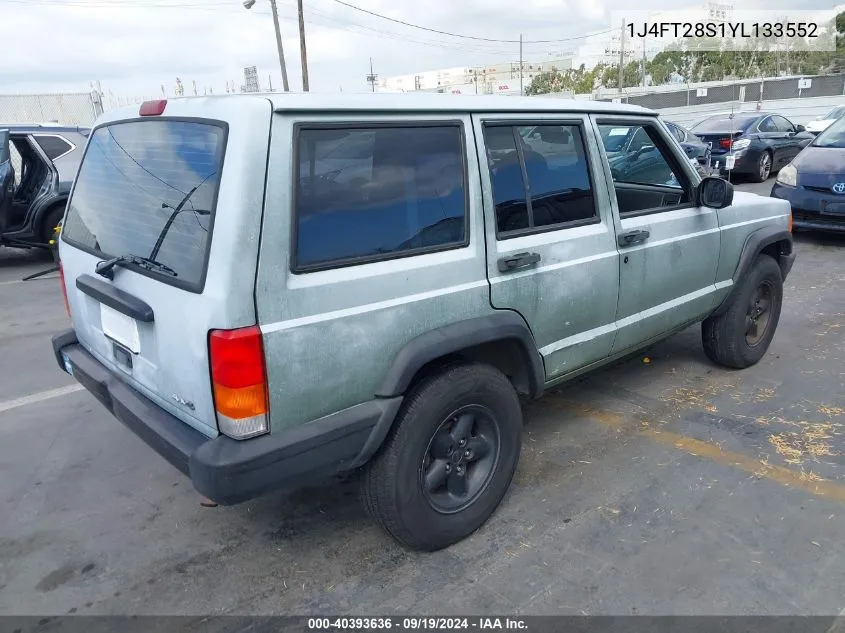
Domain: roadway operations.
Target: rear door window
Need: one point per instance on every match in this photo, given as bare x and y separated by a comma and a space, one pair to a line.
767, 125
540, 177
53, 146
373, 192
150, 187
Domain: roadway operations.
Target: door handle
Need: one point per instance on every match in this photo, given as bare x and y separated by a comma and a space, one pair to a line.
515, 262
632, 237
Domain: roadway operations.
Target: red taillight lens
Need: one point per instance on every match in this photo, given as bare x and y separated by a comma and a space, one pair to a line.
239, 381
64, 288
153, 108
725, 143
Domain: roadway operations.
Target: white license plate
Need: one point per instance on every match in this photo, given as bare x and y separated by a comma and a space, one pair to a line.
730, 161
120, 328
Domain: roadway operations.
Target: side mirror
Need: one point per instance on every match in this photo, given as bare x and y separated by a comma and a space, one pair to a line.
800, 128
715, 193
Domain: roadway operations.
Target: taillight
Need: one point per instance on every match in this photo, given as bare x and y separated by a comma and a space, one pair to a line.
725, 143
153, 108
64, 288
239, 380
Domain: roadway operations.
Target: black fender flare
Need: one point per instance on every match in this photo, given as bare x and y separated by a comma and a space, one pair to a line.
754, 245
502, 325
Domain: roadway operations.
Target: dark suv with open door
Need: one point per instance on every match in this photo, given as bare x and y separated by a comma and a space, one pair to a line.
37, 166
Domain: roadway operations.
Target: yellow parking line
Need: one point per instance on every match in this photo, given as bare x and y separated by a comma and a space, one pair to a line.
713, 452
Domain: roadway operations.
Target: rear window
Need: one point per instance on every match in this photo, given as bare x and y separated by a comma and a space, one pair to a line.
145, 183
724, 124
836, 113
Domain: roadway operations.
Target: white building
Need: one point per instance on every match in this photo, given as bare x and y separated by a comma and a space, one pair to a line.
500, 78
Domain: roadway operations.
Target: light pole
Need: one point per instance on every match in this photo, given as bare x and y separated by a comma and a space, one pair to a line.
248, 4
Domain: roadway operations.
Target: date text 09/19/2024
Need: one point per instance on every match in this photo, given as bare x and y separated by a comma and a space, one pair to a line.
417, 624
724, 29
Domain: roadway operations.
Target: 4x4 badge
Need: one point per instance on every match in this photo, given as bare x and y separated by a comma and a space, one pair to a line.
184, 403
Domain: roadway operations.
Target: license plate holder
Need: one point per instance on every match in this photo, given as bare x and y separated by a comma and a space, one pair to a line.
120, 328
832, 207
730, 162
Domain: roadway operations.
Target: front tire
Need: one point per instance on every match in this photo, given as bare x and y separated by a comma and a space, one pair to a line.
449, 459
740, 336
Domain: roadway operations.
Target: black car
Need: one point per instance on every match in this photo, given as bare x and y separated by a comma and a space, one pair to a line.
814, 183
34, 186
755, 144
694, 147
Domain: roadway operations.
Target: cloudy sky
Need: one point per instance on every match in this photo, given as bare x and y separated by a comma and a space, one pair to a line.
134, 46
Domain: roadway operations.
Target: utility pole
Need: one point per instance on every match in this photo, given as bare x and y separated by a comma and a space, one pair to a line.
372, 77
279, 45
520, 65
644, 61
621, 57
303, 55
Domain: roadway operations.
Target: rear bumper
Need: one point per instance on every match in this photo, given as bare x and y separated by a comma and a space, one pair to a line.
744, 162
230, 471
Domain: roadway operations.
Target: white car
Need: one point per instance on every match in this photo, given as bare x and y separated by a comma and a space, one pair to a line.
820, 124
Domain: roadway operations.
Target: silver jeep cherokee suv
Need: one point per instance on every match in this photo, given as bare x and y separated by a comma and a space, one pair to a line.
270, 290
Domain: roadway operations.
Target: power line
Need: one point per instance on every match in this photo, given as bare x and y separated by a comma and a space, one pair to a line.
466, 37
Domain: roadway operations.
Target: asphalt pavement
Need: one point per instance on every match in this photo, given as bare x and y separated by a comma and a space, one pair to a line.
662, 485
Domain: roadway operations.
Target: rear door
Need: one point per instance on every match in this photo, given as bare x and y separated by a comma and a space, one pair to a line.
551, 251
185, 189
776, 139
789, 145
668, 247
7, 179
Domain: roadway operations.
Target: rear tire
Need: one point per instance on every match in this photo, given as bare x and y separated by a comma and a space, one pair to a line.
764, 168
740, 336
449, 459
51, 220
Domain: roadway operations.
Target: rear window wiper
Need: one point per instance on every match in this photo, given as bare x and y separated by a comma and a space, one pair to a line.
106, 267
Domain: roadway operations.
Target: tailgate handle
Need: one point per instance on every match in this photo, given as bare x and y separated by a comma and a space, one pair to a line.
520, 260
115, 298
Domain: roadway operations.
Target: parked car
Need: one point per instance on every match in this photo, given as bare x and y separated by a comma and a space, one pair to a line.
814, 183
820, 124
694, 147
33, 201
263, 327
755, 144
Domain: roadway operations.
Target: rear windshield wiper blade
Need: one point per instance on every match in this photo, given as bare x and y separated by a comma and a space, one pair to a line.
106, 267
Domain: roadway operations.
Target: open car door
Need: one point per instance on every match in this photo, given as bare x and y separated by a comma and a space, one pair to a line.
7, 181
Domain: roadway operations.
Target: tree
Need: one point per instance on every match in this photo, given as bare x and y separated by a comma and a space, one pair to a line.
546, 82
577, 80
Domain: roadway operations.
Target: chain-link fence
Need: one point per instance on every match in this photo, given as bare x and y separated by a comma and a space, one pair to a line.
66, 109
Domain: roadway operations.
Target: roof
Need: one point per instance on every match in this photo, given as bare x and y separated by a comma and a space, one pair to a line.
40, 128
407, 102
